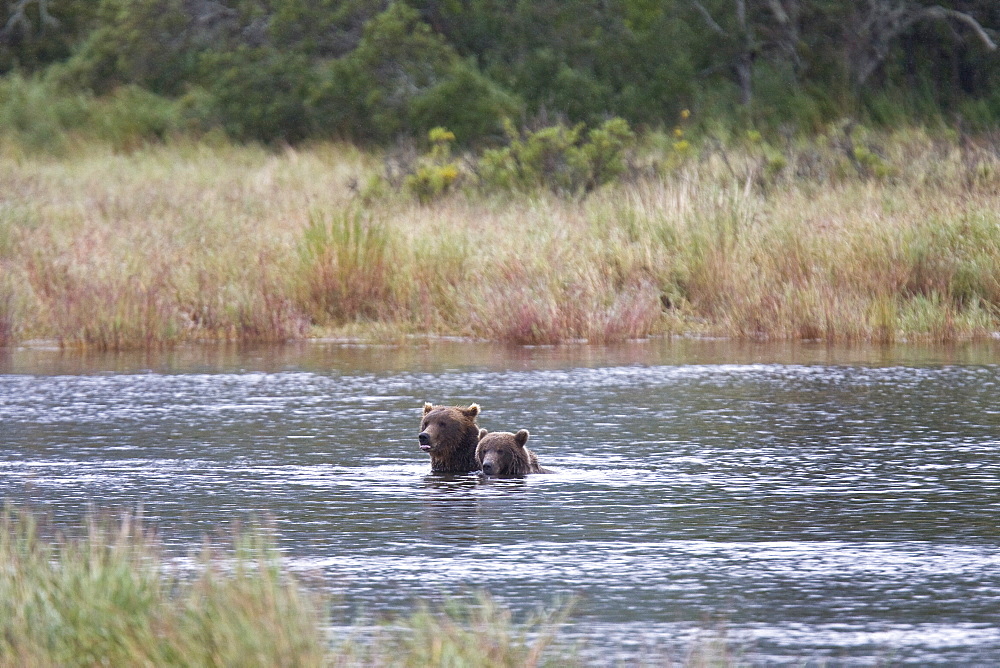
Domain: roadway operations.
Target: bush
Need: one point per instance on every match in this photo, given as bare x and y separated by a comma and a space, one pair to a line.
559, 158
133, 115
466, 102
40, 115
151, 43
436, 173
368, 94
259, 93
36, 115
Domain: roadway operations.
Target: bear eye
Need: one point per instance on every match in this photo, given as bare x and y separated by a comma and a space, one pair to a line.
442, 425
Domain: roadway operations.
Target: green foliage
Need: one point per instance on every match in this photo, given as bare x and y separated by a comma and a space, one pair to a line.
403, 79
40, 115
431, 181
132, 116
582, 60
259, 94
480, 633
375, 70
605, 151
105, 598
33, 112
551, 83
320, 29
467, 102
871, 163
781, 102
436, 173
144, 42
107, 595
559, 158
369, 93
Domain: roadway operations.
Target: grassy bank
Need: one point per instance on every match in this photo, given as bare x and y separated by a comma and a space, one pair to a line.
108, 595
844, 237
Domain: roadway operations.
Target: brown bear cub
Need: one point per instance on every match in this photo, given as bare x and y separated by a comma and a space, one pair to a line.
449, 434
503, 454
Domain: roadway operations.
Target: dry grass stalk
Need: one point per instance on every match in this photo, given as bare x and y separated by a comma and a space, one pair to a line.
185, 241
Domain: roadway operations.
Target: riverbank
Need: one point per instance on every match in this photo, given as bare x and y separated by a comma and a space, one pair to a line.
850, 236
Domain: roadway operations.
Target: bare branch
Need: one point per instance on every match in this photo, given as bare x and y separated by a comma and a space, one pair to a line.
19, 17
886, 20
939, 12
780, 15
715, 27
786, 15
741, 14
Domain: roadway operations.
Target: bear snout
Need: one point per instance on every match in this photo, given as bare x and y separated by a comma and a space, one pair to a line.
425, 441
488, 468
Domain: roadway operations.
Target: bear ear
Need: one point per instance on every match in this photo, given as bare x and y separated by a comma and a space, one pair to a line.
472, 411
482, 432
427, 407
521, 437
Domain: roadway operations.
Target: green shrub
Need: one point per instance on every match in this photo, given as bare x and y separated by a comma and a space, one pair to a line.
606, 151
259, 93
150, 43
559, 158
368, 94
466, 102
436, 173
40, 114
132, 115
35, 114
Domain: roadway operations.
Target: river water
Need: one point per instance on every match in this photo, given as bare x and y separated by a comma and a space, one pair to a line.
807, 504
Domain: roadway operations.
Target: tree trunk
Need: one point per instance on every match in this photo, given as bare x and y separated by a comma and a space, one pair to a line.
884, 21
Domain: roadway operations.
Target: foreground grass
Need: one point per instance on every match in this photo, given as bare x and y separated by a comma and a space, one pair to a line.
108, 597
843, 238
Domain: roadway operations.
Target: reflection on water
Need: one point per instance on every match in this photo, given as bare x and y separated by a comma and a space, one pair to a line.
822, 503
448, 508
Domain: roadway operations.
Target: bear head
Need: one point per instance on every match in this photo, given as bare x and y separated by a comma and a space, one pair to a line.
449, 434
502, 454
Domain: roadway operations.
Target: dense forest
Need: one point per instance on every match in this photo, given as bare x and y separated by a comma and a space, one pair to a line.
371, 71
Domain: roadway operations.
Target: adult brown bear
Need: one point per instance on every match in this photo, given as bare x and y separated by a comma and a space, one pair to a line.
449, 434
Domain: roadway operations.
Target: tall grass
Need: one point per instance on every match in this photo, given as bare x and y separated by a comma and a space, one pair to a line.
109, 594
845, 237
480, 633
106, 597
345, 265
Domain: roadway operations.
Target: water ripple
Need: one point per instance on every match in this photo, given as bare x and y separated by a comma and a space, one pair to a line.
822, 512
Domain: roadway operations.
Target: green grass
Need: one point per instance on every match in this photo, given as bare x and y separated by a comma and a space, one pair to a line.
106, 597
109, 594
841, 237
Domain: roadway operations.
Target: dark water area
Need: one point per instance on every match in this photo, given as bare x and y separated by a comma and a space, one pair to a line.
810, 504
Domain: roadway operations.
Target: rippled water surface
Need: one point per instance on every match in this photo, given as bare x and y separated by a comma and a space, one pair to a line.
811, 504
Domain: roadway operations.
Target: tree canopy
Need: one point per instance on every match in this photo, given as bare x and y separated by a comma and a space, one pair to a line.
372, 70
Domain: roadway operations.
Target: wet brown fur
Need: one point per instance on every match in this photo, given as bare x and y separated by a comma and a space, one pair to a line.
451, 433
507, 454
